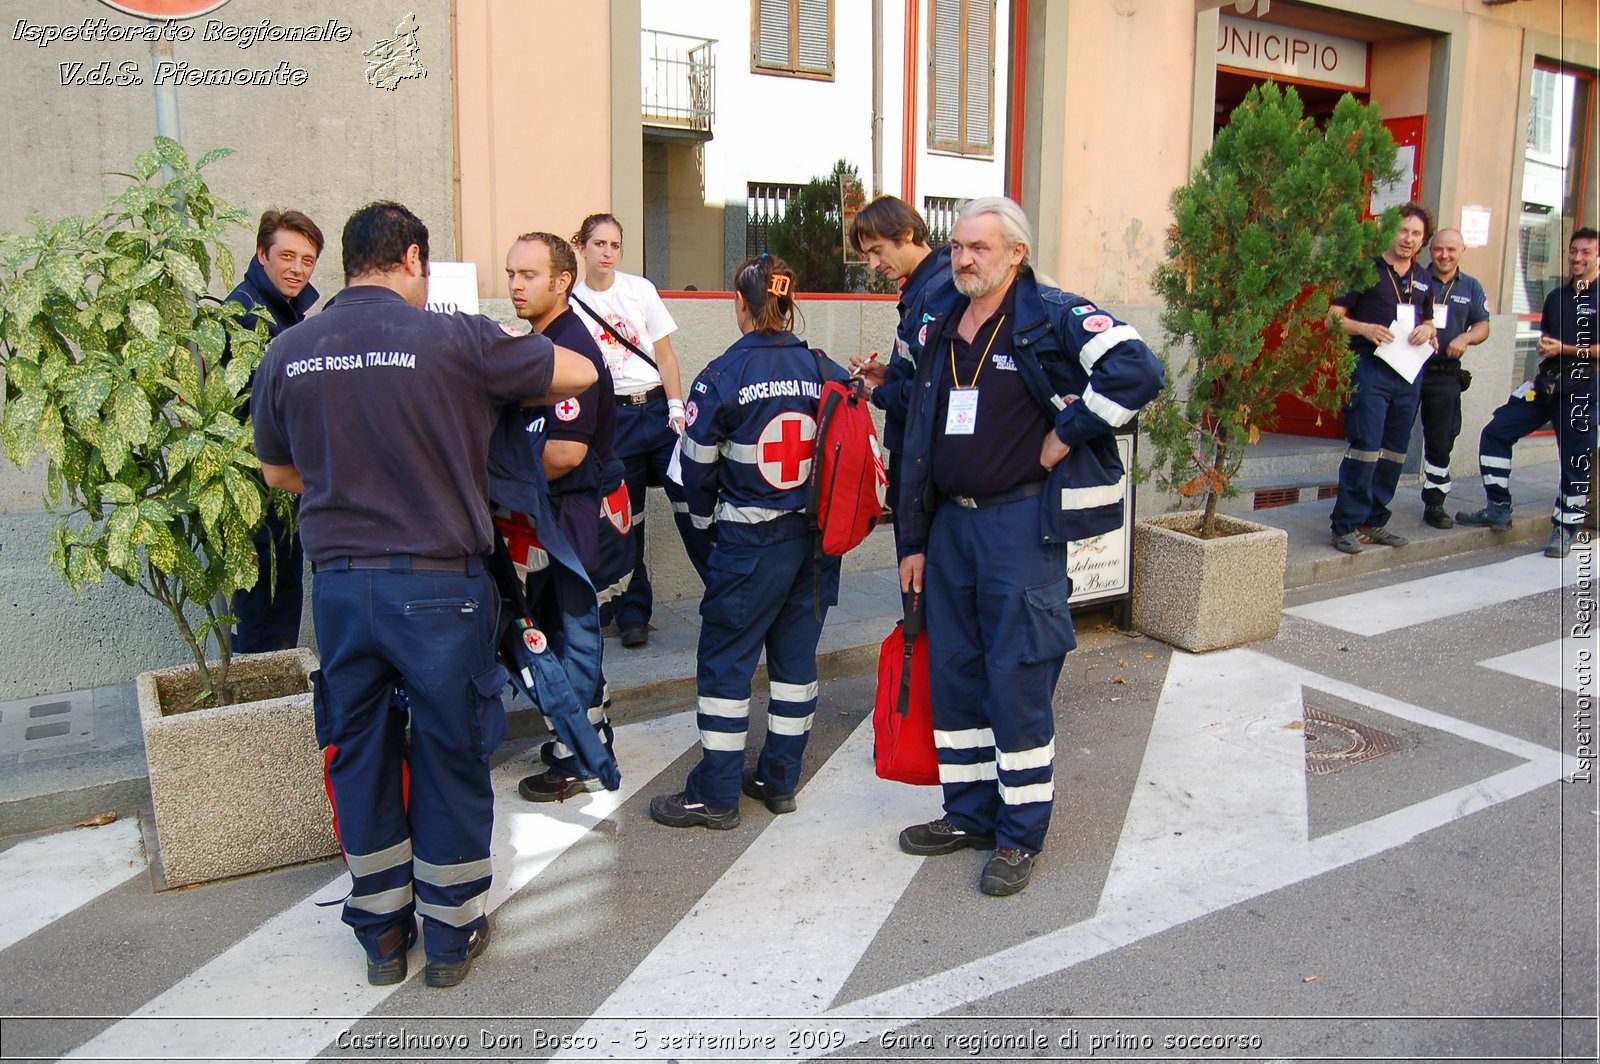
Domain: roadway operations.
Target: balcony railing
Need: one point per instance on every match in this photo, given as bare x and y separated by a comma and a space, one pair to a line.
679, 81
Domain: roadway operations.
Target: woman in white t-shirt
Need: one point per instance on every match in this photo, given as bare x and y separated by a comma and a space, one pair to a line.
632, 327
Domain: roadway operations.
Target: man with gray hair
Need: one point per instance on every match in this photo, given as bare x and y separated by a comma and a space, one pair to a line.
1009, 454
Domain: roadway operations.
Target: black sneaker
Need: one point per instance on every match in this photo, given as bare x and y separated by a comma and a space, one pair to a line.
553, 785
634, 635
677, 811
1007, 872
1381, 535
756, 787
449, 973
939, 837
390, 967
1438, 517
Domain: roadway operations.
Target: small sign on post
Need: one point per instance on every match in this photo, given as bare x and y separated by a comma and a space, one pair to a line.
453, 286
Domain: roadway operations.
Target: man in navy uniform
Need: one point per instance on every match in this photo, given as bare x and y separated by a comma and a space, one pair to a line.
1382, 404
1562, 394
1010, 453
894, 240
379, 414
1461, 316
578, 436
276, 291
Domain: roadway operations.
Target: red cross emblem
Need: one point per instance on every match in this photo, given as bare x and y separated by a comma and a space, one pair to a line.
568, 409
785, 448
535, 640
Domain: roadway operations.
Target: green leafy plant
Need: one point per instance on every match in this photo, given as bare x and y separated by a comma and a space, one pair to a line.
810, 238
134, 384
1267, 230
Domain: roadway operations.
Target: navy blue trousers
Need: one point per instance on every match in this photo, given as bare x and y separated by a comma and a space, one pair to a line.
1377, 423
758, 596
268, 617
644, 443
998, 633
432, 633
1571, 409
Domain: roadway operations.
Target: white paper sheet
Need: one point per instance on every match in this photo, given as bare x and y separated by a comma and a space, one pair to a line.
675, 463
1405, 358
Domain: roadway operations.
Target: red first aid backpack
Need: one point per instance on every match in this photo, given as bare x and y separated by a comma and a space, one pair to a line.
848, 481
902, 718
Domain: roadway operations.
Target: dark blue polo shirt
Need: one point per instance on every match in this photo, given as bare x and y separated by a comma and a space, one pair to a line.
1466, 305
1003, 451
1569, 315
386, 409
1376, 305
589, 418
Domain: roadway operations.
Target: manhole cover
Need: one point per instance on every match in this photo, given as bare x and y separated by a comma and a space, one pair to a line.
1334, 743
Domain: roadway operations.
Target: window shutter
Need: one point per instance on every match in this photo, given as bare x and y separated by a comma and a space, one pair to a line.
945, 74
979, 81
815, 55
772, 47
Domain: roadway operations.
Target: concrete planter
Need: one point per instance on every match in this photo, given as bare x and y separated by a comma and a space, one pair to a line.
1206, 594
237, 788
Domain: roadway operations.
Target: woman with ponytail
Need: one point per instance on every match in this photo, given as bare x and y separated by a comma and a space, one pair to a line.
751, 421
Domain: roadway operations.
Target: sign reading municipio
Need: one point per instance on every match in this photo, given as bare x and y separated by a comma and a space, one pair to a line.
165, 9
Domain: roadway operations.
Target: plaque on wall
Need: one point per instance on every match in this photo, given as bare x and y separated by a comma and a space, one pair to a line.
1100, 566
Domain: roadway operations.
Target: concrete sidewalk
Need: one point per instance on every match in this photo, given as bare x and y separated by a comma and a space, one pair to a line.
73, 755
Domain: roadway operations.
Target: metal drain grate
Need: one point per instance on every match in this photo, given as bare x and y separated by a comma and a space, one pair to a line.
1334, 743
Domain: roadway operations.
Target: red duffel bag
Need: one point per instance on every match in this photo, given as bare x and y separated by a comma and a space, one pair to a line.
902, 717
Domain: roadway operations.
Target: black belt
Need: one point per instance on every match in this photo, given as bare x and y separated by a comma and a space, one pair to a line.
1025, 491
402, 563
649, 396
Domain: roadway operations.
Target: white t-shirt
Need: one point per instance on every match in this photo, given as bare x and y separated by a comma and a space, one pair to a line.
634, 308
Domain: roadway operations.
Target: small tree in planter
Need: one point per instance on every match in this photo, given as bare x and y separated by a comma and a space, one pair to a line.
1265, 233
114, 367
810, 238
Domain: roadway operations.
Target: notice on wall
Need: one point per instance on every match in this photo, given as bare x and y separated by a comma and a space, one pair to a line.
1099, 566
453, 286
1397, 193
1475, 226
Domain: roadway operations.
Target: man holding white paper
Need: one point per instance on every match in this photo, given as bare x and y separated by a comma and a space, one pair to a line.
1390, 326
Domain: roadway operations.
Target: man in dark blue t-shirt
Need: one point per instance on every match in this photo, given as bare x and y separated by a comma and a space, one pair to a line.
1562, 394
578, 459
379, 414
1461, 316
1383, 403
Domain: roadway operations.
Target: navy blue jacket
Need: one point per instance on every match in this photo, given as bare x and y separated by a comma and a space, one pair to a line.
258, 295
929, 292
517, 482
752, 429
1088, 371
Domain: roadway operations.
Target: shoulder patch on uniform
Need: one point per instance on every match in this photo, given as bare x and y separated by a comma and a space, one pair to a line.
1097, 323
692, 410
1083, 308
508, 330
700, 386
568, 409
922, 335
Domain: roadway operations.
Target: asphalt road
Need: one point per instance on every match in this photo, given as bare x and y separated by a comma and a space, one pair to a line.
1422, 888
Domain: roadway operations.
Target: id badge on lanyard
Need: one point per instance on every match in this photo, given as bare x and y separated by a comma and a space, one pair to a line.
1441, 315
961, 418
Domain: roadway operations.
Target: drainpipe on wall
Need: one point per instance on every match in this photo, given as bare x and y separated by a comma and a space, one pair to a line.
877, 97
908, 127
167, 124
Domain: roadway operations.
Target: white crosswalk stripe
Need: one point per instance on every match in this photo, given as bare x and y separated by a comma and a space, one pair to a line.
1433, 598
46, 878
305, 963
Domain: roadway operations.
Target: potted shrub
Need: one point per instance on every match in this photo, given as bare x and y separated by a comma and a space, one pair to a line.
1267, 230
135, 384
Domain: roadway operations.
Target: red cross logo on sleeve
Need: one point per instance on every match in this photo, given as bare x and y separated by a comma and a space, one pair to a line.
568, 409
783, 453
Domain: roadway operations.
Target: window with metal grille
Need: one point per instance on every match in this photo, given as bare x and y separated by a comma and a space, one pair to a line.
792, 37
961, 76
764, 204
940, 214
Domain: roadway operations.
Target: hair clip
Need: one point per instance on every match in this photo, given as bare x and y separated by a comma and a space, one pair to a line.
778, 285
